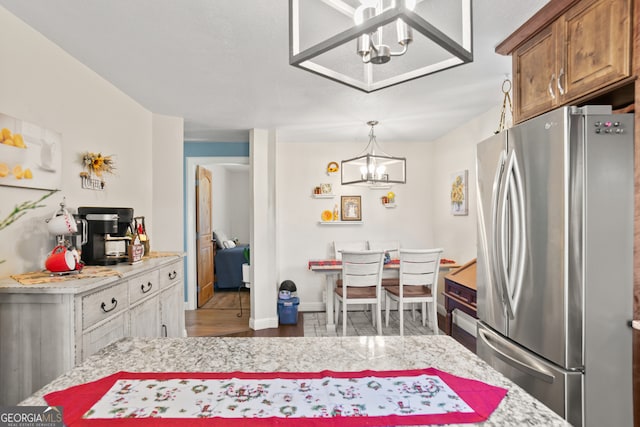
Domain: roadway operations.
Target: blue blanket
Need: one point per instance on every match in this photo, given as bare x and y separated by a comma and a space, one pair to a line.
228, 267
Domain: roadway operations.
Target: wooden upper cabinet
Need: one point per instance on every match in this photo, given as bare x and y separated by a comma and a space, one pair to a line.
584, 49
597, 51
534, 68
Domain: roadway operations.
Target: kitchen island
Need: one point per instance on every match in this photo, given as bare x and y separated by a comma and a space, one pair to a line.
217, 354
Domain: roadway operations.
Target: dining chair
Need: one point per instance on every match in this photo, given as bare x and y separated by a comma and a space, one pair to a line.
418, 280
356, 245
389, 278
361, 284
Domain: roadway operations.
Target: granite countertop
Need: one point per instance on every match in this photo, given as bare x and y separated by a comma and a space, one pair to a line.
216, 354
80, 285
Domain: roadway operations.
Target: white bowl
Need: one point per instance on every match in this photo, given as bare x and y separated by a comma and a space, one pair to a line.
12, 156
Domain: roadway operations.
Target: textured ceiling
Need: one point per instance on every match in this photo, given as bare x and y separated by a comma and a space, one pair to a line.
223, 65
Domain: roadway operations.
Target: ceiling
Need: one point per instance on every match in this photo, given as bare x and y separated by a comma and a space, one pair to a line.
223, 65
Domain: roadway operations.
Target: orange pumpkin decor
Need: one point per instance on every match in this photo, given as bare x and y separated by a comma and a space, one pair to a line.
327, 215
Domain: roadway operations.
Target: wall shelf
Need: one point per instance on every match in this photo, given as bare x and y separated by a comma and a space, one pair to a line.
323, 196
389, 205
339, 222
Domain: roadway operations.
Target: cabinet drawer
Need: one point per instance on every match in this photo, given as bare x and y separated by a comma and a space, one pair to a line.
460, 292
143, 286
104, 303
170, 274
105, 334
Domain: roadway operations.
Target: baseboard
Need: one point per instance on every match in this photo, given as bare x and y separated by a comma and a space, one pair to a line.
270, 322
311, 306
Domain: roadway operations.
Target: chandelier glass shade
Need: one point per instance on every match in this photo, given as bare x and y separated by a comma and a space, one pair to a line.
373, 44
373, 167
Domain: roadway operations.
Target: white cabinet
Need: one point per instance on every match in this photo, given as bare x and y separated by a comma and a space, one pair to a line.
45, 330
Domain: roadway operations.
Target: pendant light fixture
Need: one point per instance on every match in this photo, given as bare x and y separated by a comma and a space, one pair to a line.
374, 167
373, 44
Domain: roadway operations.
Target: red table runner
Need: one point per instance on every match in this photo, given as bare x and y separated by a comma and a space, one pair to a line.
322, 399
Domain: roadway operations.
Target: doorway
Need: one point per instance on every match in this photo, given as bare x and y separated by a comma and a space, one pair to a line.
235, 164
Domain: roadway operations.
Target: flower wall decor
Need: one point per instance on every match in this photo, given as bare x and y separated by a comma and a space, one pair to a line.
459, 204
96, 165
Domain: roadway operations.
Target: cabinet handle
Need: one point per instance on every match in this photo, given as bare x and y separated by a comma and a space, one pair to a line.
173, 275
553, 77
114, 303
148, 289
164, 328
559, 81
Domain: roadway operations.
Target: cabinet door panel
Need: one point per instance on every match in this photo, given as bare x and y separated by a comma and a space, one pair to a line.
145, 319
107, 333
534, 65
597, 48
172, 311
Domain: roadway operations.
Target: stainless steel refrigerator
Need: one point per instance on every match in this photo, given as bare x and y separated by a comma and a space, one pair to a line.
555, 260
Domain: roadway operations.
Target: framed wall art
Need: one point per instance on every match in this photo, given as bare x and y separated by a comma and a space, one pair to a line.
459, 205
30, 155
351, 208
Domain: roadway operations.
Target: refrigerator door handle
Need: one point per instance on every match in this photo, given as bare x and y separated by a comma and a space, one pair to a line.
515, 357
502, 242
520, 237
512, 275
495, 196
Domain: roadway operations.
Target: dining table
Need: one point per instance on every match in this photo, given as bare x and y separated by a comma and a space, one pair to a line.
332, 268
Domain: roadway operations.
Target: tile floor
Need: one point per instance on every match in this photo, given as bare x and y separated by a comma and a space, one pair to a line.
359, 324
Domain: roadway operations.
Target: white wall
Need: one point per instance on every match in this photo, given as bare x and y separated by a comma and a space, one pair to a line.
43, 84
453, 152
302, 166
239, 204
166, 231
264, 257
231, 200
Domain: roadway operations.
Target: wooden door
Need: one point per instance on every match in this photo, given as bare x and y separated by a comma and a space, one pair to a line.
204, 236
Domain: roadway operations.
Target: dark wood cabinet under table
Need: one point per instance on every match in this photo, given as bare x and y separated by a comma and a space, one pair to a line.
460, 292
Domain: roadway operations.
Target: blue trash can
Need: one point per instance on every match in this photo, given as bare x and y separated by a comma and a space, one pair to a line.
288, 310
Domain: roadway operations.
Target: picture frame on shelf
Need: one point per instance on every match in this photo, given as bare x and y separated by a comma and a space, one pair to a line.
351, 208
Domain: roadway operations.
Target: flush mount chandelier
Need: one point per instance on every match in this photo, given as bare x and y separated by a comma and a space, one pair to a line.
373, 44
374, 167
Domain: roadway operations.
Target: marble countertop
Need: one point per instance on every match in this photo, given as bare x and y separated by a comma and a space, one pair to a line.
217, 354
80, 285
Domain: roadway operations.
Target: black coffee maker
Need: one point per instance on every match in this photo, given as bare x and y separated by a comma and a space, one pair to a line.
107, 240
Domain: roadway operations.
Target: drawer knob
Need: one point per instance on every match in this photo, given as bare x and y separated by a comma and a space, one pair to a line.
149, 286
114, 304
173, 275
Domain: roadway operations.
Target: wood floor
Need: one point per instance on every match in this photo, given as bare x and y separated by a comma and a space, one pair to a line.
227, 315
222, 317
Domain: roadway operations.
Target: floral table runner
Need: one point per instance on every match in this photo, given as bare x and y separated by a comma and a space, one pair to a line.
366, 398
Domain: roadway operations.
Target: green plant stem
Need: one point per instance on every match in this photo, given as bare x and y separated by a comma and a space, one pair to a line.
20, 210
